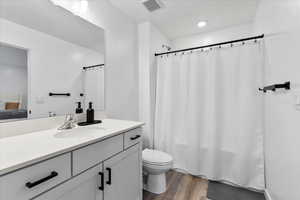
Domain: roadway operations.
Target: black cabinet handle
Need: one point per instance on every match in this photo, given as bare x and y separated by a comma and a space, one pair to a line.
102, 181
31, 185
109, 176
136, 137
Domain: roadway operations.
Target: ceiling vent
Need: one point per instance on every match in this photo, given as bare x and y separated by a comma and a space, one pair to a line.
153, 5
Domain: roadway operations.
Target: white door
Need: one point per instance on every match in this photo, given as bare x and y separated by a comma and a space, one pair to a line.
123, 176
86, 186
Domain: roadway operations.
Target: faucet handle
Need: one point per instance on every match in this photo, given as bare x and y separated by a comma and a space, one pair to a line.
69, 122
69, 117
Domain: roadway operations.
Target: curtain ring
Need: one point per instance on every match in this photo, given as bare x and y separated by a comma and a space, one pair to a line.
220, 47
231, 45
255, 41
243, 43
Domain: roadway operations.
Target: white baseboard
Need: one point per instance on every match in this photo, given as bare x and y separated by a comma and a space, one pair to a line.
267, 195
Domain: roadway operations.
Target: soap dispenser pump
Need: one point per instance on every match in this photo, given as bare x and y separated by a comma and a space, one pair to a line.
90, 113
79, 109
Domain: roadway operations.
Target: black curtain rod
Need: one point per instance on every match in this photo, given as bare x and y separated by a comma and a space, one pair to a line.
92, 66
212, 45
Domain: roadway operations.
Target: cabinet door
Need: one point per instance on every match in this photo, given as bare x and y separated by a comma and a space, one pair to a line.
123, 176
86, 186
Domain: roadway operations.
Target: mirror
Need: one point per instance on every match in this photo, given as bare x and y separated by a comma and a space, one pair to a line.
49, 60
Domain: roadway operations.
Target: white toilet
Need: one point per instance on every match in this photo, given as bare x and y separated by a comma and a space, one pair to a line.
155, 165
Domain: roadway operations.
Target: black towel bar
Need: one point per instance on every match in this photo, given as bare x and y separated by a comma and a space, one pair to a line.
286, 85
59, 94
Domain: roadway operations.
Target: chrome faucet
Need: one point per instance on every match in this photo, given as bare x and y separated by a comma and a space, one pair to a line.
69, 122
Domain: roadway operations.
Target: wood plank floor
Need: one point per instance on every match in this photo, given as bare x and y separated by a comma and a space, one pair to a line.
181, 187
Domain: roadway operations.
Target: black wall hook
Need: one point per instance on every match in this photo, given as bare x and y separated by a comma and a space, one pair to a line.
286, 85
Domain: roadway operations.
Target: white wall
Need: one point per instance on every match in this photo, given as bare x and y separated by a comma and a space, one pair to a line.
150, 41
279, 20
121, 58
54, 66
13, 75
144, 33
230, 33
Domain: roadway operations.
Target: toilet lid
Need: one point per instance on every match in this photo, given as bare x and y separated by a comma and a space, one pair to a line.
154, 156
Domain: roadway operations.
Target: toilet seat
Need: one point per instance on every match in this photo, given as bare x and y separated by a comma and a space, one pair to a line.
154, 157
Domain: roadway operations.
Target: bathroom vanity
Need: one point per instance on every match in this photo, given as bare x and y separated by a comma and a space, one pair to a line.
61, 66
97, 162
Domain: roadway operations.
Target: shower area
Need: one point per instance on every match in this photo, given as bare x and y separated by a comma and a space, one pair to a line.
208, 110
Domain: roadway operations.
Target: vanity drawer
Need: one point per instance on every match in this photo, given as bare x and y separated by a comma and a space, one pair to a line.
93, 154
132, 137
31, 181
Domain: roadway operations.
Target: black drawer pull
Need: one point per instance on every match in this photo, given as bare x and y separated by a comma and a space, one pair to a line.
102, 181
135, 137
109, 176
52, 175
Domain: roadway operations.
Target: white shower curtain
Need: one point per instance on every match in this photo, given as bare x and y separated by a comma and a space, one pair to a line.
209, 113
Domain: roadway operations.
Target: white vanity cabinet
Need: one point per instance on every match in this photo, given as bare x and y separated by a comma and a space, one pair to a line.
118, 178
26, 183
93, 154
123, 174
85, 186
108, 169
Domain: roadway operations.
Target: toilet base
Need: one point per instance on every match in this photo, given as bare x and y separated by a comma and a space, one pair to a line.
156, 183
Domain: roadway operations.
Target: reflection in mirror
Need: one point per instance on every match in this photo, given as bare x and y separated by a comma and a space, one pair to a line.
93, 87
54, 46
13, 83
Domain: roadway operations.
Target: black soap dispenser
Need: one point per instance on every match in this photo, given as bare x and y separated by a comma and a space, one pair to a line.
90, 113
79, 109
89, 117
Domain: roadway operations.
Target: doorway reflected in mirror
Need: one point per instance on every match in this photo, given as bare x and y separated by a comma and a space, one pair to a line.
13, 83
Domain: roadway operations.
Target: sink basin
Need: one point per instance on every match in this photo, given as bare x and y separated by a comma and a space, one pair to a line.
80, 132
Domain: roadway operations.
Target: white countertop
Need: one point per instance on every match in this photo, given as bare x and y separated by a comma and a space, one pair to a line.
20, 151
